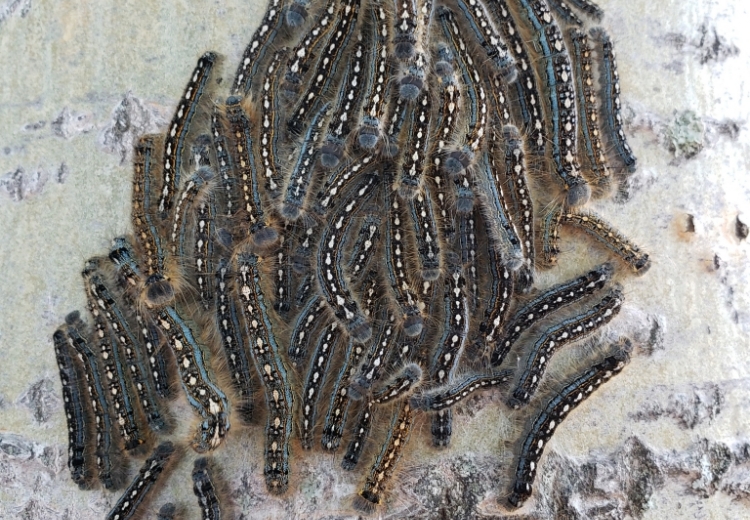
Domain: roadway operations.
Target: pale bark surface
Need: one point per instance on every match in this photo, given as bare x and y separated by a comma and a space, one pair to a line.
669, 438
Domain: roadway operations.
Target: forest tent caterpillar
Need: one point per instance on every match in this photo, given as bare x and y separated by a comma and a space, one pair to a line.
573, 394
178, 129
140, 488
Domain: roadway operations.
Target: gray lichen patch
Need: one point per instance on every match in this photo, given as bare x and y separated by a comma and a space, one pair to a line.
685, 135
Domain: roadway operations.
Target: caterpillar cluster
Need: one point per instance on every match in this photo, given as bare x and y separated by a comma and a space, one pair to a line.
355, 229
